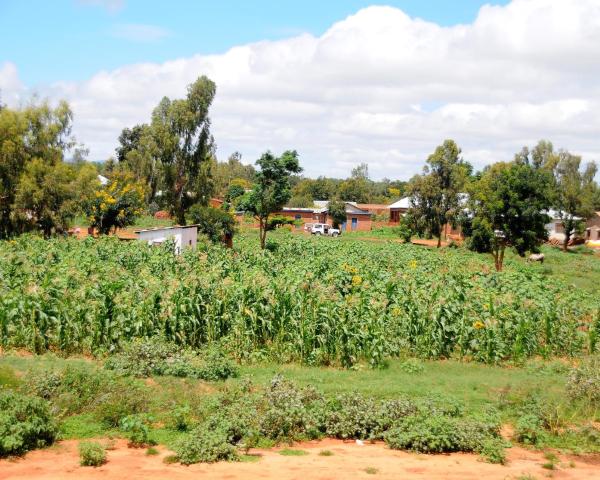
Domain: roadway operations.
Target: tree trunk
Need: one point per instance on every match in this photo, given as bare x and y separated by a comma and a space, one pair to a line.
439, 243
262, 222
566, 241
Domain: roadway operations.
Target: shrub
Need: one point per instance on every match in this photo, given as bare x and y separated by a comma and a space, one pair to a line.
25, 423
440, 434
290, 412
138, 429
206, 446
120, 400
181, 418
493, 450
215, 223
91, 454
216, 366
352, 416
584, 381
143, 358
528, 429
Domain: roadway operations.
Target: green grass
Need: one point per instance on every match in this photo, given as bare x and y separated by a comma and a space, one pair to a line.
326, 453
249, 458
291, 452
371, 470
475, 384
82, 426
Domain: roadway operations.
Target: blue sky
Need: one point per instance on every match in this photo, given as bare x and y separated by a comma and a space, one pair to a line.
55, 40
381, 84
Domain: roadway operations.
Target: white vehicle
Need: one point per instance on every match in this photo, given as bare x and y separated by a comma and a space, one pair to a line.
324, 229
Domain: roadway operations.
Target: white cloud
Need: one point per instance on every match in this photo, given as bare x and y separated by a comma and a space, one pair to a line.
140, 33
377, 87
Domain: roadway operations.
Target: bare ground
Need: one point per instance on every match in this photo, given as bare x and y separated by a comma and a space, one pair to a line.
349, 460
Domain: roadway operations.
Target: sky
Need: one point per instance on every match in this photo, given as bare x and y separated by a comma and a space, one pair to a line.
341, 81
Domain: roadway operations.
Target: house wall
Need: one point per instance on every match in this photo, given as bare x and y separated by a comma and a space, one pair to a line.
592, 231
363, 222
183, 237
189, 238
154, 237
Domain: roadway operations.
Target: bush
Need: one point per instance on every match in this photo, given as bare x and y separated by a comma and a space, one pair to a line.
290, 412
584, 381
138, 429
143, 358
25, 423
215, 223
206, 446
441, 434
91, 454
528, 429
121, 400
352, 416
493, 450
216, 366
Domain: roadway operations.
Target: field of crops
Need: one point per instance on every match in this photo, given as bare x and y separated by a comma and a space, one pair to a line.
315, 301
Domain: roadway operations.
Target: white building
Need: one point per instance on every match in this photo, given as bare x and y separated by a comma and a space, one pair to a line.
184, 237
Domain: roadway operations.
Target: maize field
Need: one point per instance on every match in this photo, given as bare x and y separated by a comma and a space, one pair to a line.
314, 301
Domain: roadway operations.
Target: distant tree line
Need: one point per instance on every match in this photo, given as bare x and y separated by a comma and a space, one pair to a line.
507, 204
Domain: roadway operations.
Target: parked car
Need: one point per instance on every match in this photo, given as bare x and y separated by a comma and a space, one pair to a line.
324, 229
308, 227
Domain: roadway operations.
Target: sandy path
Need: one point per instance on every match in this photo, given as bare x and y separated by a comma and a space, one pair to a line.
348, 461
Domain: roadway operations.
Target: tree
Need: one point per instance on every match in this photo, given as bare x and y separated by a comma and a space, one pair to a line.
574, 193
300, 201
181, 129
437, 196
357, 188
35, 132
272, 188
48, 196
224, 173
509, 203
116, 205
424, 195
218, 225
138, 153
337, 212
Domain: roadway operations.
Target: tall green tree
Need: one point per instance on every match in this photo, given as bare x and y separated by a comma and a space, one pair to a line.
574, 193
271, 190
37, 131
509, 202
181, 129
49, 196
437, 196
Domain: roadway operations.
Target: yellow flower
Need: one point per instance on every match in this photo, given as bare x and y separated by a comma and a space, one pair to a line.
356, 280
413, 264
478, 325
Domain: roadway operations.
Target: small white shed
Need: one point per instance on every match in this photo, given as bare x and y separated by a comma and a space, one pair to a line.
184, 237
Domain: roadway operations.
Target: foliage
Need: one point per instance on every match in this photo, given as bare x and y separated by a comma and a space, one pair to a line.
271, 190
584, 381
439, 434
337, 211
33, 142
508, 203
25, 423
436, 195
218, 225
49, 196
574, 193
115, 205
181, 129
91, 454
157, 357
318, 303
528, 429
138, 430
206, 446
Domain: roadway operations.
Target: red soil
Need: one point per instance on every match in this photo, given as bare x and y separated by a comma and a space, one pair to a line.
349, 460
